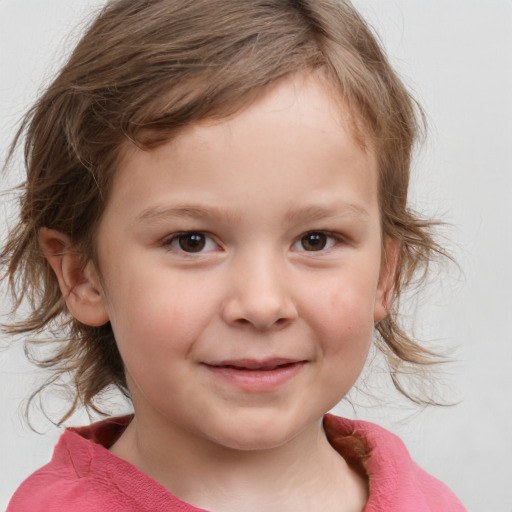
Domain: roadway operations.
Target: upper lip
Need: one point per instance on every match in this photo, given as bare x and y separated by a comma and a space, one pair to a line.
254, 364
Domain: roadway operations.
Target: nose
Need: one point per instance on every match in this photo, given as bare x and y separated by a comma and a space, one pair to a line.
259, 295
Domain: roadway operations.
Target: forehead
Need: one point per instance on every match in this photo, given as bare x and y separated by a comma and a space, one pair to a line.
298, 129
308, 100
314, 91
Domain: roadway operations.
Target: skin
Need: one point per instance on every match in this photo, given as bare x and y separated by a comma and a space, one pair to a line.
282, 203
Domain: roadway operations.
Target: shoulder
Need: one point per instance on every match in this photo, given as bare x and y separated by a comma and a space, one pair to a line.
67, 482
79, 477
396, 482
84, 476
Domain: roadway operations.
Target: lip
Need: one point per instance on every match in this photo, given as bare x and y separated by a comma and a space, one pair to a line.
254, 375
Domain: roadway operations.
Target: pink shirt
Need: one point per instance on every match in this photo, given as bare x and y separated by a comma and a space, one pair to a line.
83, 476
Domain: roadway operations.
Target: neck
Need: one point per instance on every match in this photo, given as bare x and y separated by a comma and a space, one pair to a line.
305, 474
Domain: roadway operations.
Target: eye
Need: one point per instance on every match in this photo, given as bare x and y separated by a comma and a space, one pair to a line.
191, 242
315, 241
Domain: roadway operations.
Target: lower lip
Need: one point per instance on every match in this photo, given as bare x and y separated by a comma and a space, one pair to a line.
257, 381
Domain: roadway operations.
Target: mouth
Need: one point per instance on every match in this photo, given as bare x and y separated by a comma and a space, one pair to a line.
255, 376
252, 365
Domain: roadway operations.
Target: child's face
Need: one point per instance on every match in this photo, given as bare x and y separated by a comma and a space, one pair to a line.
241, 268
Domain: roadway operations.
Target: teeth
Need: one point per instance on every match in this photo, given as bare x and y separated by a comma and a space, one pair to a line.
266, 368
258, 368
261, 368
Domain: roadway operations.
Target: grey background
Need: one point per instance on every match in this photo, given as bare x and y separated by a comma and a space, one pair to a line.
456, 55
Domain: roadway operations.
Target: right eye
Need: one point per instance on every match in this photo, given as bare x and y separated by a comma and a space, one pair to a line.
191, 242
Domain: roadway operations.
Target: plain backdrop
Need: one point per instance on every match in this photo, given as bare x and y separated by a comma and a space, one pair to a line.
456, 55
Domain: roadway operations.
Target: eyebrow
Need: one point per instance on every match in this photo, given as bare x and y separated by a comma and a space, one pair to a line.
308, 213
319, 212
186, 211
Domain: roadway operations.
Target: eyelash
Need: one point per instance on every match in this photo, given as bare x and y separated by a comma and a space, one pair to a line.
330, 239
325, 239
175, 242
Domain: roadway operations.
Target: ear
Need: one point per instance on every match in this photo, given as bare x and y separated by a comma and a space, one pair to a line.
79, 282
387, 279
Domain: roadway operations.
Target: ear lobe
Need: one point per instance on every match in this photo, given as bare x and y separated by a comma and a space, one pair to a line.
387, 280
78, 283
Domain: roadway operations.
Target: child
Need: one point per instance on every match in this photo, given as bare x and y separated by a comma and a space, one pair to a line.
215, 220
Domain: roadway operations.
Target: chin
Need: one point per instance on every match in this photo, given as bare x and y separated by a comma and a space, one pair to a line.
248, 443
257, 435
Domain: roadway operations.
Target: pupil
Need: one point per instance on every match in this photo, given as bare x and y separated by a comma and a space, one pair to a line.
314, 241
192, 242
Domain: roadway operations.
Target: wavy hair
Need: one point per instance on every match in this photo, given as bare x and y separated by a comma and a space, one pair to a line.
142, 71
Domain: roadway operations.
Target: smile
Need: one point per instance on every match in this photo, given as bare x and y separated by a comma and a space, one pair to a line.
255, 376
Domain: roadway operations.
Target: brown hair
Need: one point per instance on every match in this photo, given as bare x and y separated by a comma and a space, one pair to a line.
142, 71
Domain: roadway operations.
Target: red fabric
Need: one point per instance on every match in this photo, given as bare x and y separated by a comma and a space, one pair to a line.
397, 483
83, 476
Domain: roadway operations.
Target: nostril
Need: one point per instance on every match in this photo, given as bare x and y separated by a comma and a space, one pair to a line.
261, 311
279, 323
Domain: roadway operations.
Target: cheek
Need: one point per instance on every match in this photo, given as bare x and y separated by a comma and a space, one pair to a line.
159, 316
341, 318
344, 310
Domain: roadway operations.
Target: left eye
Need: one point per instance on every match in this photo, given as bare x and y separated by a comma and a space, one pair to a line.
315, 241
192, 242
